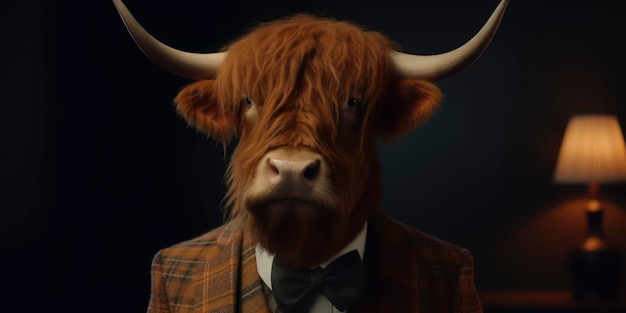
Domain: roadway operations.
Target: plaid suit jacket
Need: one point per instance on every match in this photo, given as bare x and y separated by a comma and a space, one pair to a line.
408, 271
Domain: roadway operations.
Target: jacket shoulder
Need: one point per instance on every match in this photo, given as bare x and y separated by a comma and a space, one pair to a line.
200, 248
177, 270
428, 248
416, 271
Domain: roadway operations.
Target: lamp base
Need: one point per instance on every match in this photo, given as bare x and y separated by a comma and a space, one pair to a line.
595, 274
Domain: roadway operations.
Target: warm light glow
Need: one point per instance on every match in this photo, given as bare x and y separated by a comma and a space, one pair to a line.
593, 150
593, 205
594, 243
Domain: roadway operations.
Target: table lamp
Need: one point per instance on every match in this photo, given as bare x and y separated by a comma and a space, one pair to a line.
593, 153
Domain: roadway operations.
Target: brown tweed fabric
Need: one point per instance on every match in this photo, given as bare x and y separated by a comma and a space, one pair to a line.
271, 302
408, 271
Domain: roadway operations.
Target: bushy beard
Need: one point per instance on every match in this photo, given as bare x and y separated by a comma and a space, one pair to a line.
299, 233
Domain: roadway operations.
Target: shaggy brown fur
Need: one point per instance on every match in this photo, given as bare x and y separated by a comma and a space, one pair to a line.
301, 72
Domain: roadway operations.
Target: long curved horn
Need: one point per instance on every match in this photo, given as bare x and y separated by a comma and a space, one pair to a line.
445, 64
181, 63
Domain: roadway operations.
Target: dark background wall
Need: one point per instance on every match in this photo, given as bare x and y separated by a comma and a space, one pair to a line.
98, 172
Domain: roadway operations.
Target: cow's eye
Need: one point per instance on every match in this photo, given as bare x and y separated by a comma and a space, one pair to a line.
249, 102
353, 102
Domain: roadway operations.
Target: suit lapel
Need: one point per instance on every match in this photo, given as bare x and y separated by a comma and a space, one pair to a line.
252, 296
388, 265
229, 282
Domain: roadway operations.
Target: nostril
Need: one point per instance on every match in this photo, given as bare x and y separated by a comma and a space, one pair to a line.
312, 171
272, 167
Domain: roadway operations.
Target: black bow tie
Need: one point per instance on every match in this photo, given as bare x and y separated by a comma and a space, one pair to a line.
341, 282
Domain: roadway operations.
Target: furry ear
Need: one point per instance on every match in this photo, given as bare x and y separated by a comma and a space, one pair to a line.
409, 103
198, 104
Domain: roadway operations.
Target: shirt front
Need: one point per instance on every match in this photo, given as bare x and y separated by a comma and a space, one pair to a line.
264, 262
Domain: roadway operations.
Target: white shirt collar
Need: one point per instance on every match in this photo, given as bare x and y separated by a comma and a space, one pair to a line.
264, 259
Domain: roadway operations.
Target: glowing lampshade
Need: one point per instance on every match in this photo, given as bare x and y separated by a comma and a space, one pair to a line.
593, 151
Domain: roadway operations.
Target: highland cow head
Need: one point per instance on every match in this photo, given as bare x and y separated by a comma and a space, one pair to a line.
307, 98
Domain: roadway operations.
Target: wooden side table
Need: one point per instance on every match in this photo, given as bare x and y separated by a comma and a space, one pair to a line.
557, 301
